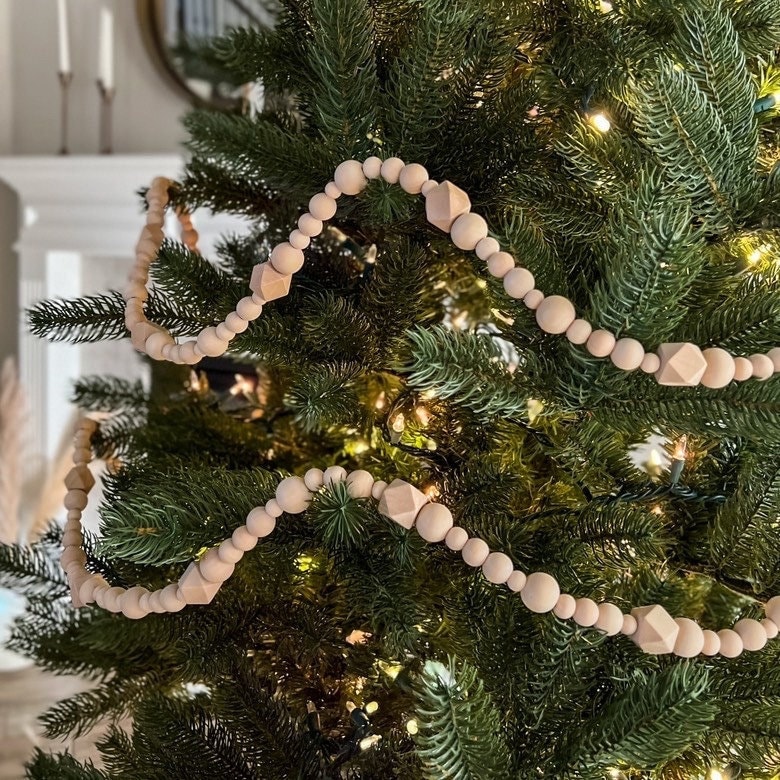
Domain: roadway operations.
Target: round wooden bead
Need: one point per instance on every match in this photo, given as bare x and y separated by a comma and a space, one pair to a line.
610, 619
322, 206
428, 186
313, 479
516, 581
259, 523
359, 484
763, 367
156, 342
75, 515
111, 599
332, 190
650, 363
71, 555
433, 522
486, 247
456, 538
774, 356
136, 290
223, 332
565, 606
349, 177
579, 331
627, 354
720, 368
242, 539
170, 600
213, 568
82, 455
600, 343
555, 313
235, 323
100, 594
475, 552
770, 627
500, 264
772, 609
468, 230
247, 309
298, 240
292, 495
690, 638
541, 592
209, 343
286, 259
743, 369
497, 568
75, 499
629, 626
378, 490
308, 225
88, 587
533, 298
711, 644
229, 553
130, 602
154, 602
586, 613
72, 538
273, 508
412, 178
391, 169
187, 353
752, 633
730, 643
372, 167
518, 282
333, 474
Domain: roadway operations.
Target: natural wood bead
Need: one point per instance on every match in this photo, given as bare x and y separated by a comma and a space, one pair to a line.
774, 356
286, 259
565, 606
372, 167
136, 290
720, 368
332, 190
147, 248
349, 177
554, 314
273, 508
80, 478
487, 247
259, 523
130, 603
433, 522
333, 474
541, 592
188, 354
111, 599
428, 186
711, 643
155, 605
516, 581
475, 552
72, 539
730, 643
210, 343
763, 367
456, 538
627, 354
88, 587
313, 479
444, 203
468, 230
213, 568
229, 553
579, 331
412, 178
586, 613
600, 343
770, 627
247, 309
379, 489
682, 365
533, 298
99, 594
690, 639
752, 633
169, 598
518, 282
650, 363
140, 333
223, 332
359, 484
76, 499
610, 619
497, 567
299, 240
75, 515
656, 630
500, 264
267, 283
401, 502
391, 169
292, 495
242, 539
743, 369
156, 342
194, 588
310, 226
322, 206
629, 626
236, 323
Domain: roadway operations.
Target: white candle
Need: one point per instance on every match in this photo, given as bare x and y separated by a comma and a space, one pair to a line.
106, 49
62, 29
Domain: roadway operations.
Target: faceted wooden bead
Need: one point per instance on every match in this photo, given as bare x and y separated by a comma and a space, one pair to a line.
194, 588
627, 354
763, 367
468, 230
80, 478
682, 365
565, 606
456, 538
111, 599
209, 343
516, 581
286, 259
600, 343
313, 479
444, 204
743, 369
310, 226
401, 502
629, 626
610, 619
497, 567
518, 282
273, 508
412, 178
334, 474
267, 283
332, 190
359, 484
579, 331
242, 539
541, 592
555, 313
169, 597
391, 169
656, 630
130, 603
533, 298
586, 613
774, 356
770, 627
500, 264
75, 499
298, 240
229, 553
711, 644
259, 523
720, 368
650, 363
690, 639
379, 489
752, 633
433, 522
292, 495
322, 206
475, 552
730, 643
213, 568
235, 323
349, 177
487, 247
372, 167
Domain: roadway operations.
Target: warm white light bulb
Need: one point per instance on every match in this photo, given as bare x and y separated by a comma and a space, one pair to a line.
371, 707
605, 7
601, 122
716, 774
369, 742
399, 423
412, 727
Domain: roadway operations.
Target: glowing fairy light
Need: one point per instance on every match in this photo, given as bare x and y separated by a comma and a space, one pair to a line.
381, 401
368, 742
242, 386
601, 122
371, 707
432, 491
412, 727
680, 448
423, 415
716, 774
605, 7
399, 423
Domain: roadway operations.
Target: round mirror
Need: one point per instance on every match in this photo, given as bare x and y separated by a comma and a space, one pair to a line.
177, 33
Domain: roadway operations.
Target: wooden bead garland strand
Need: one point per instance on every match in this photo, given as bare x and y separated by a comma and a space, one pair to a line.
448, 208
650, 627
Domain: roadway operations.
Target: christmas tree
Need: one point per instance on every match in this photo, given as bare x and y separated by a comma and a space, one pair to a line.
625, 154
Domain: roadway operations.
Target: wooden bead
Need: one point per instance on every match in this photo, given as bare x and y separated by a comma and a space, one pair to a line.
156, 342
223, 332
235, 323
88, 587
610, 619
79, 478
518, 282
444, 203
500, 264
130, 602
259, 523
322, 206
359, 484
433, 522
267, 283
209, 343
72, 539
497, 567
273, 508
372, 167
629, 626
248, 310
391, 169
136, 290
456, 538
690, 638
475, 552
169, 598
213, 568
586, 613
730, 643
743, 369
752, 633
565, 606
140, 333
468, 230
155, 605
310, 226
720, 368
188, 354
600, 343
516, 581
682, 365
579, 331
111, 599
286, 259
763, 367
533, 298
656, 630
428, 186
298, 239
650, 363
770, 627
554, 314
229, 553
627, 354
541, 592
333, 474
349, 177
242, 539
379, 489
75, 516
711, 643
401, 502
75, 499
100, 594
292, 495
313, 479
774, 356
486, 247
332, 190
412, 178
194, 588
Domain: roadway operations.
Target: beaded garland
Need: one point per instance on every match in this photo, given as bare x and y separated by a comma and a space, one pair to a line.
448, 208
650, 627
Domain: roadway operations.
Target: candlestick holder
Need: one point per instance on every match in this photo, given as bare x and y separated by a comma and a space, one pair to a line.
65, 77
106, 106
